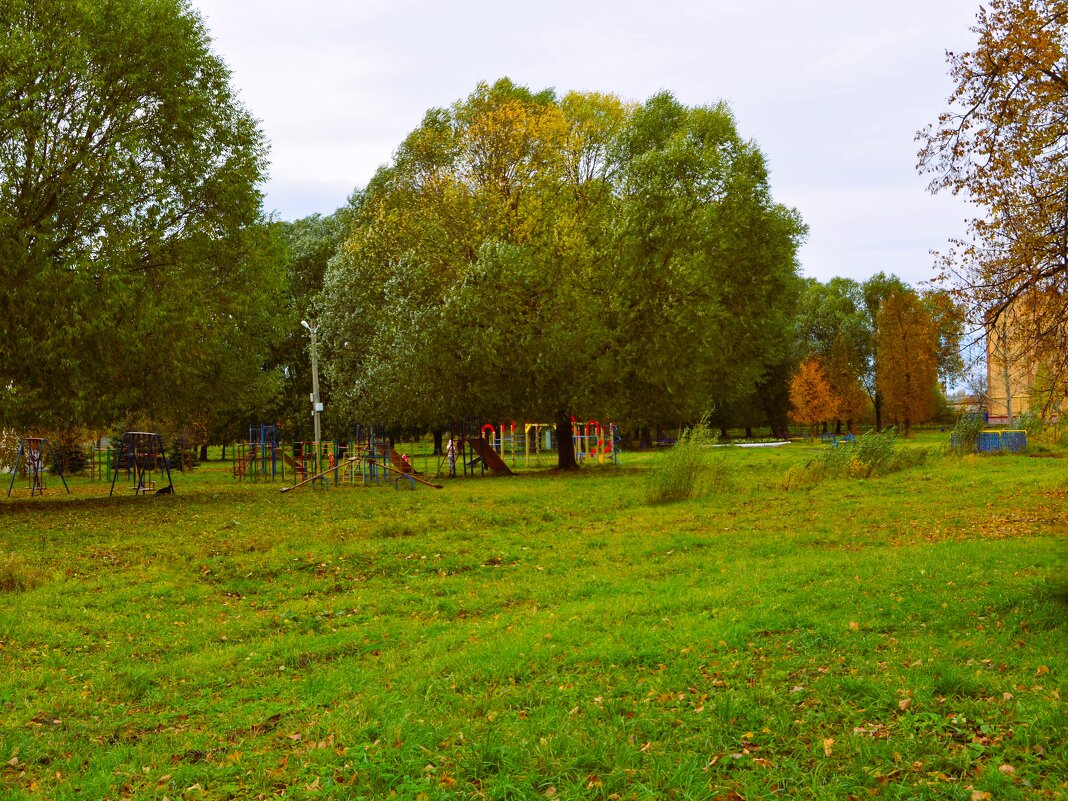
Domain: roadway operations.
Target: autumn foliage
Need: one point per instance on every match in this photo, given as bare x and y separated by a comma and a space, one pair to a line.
1003, 144
907, 371
812, 399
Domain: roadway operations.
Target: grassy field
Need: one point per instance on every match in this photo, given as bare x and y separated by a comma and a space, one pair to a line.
543, 636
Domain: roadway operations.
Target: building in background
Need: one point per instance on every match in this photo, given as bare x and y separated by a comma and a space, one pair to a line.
1019, 378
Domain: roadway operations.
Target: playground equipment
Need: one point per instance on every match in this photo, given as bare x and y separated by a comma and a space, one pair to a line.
473, 452
596, 441
473, 449
542, 439
504, 441
31, 454
368, 459
1010, 441
836, 439
260, 458
101, 463
995, 441
141, 454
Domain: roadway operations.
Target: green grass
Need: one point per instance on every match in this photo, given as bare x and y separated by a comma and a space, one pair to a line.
542, 636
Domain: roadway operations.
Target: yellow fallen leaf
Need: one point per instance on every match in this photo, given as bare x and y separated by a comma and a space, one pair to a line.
979, 795
1006, 770
1042, 670
828, 746
904, 704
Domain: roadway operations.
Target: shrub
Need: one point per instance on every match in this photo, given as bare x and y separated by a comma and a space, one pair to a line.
965, 437
1031, 422
686, 468
9, 448
873, 454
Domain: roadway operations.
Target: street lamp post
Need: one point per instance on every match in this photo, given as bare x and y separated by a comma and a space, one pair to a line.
317, 407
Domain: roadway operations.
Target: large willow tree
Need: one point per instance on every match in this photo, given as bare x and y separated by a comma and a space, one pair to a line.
132, 274
529, 256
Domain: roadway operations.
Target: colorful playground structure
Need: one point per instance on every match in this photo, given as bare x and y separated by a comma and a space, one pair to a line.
368, 458
593, 441
31, 460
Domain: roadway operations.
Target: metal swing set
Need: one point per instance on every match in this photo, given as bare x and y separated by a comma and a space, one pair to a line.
31, 457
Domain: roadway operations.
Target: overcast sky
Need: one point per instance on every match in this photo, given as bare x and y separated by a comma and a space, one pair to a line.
833, 92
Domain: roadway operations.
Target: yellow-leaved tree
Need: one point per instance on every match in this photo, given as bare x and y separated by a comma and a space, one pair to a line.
907, 370
1003, 145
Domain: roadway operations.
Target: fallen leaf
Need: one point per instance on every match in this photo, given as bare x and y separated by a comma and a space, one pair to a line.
979, 795
1042, 670
1006, 770
828, 746
904, 704
854, 625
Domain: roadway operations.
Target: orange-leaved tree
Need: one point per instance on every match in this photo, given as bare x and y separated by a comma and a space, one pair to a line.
907, 370
812, 400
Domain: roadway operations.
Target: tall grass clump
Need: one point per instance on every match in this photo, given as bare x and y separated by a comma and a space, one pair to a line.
965, 436
16, 574
873, 454
686, 469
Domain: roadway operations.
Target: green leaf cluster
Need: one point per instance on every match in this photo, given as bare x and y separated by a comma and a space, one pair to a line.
136, 271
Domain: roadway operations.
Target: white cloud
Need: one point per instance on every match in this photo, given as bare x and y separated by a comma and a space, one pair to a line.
833, 92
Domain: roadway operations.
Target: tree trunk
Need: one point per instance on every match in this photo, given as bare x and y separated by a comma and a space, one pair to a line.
748, 432
1008, 380
878, 403
838, 427
565, 444
204, 452
224, 450
777, 422
438, 436
723, 432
